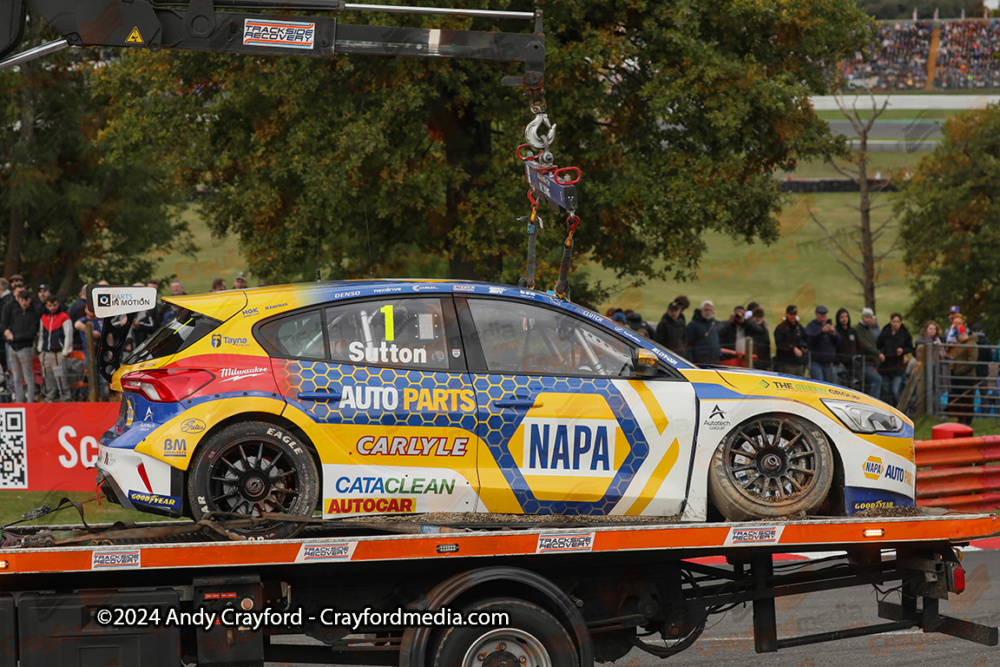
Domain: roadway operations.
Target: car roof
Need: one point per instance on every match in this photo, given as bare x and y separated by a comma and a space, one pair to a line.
327, 291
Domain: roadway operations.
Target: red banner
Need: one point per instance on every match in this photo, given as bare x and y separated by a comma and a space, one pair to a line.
52, 446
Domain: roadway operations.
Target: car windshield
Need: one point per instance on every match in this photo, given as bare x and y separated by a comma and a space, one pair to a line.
179, 333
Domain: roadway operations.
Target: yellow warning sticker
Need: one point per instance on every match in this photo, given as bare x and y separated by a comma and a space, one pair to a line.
134, 37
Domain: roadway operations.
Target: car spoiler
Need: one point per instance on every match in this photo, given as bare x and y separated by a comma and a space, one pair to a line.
111, 303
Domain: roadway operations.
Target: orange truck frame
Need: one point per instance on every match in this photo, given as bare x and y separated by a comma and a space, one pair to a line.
577, 594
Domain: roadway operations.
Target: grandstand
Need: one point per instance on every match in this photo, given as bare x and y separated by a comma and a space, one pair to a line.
929, 55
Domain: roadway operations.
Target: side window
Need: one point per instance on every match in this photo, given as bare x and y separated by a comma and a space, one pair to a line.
522, 338
409, 333
297, 336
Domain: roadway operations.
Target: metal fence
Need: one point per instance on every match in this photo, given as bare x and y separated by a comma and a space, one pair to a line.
954, 381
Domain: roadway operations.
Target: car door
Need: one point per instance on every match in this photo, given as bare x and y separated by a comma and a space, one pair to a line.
389, 402
565, 425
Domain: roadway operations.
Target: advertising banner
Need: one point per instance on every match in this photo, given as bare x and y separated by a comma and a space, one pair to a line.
52, 446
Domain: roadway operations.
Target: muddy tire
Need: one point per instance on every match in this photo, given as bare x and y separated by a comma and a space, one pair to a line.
251, 468
769, 467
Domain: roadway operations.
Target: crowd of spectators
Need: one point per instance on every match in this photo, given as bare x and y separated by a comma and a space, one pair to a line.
899, 58
965, 55
45, 339
865, 357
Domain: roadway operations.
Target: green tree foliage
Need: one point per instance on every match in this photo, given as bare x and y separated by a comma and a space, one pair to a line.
72, 216
678, 113
951, 223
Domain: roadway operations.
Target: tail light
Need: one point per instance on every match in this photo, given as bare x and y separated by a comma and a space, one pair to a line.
168, 385
956, 577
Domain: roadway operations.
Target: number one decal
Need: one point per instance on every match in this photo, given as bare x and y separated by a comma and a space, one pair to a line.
390, 329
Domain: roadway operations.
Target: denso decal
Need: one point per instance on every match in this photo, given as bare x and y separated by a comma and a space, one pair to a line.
584, 447
325, 552
399, 445
384, 354
233, 374
395, 485
754, 535
105, 560
346, 295
282, 34
175, 447
563, 543
370, 505
172, 502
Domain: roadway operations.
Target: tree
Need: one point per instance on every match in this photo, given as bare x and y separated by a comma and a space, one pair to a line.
856, 252
678, 113
73, 216
951, 222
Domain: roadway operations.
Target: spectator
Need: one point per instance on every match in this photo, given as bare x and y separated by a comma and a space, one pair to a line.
55, 344
22, 327
219, 285
897, 60
963, 378
985, 350
176, 288
143, 325
965, 55
43, 294
637, 324
733, 332
97, 325
6, 296
846, 370
160, 307
929, 335
703, 336
895, 343
240, 281
868, 347
789, 344
76, 311
670, 332
761, 339
823, 339
9, 306
951, 337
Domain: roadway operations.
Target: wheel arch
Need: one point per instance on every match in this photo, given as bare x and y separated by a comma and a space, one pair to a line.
511, 582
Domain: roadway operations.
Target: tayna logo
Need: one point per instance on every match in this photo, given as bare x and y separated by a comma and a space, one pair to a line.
216, 340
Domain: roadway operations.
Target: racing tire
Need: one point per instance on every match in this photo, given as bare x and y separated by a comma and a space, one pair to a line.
771, 466
251, 468
532, 638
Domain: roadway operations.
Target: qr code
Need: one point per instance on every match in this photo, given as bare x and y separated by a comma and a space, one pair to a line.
13, 450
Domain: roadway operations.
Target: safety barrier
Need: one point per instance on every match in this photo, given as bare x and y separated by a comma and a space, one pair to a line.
960, 476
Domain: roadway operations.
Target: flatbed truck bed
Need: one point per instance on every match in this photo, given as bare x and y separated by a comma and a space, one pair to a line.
573, 594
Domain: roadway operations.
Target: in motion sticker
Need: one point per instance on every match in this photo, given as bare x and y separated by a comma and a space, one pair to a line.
282, 34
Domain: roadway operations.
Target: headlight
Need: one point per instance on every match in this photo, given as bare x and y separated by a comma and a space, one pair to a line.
862, 418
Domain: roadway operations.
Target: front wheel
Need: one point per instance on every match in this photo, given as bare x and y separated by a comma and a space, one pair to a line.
531, 637
770, 467
252, 468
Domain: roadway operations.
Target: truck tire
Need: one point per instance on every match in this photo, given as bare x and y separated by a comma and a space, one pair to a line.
769, 467
251, 468
532, 638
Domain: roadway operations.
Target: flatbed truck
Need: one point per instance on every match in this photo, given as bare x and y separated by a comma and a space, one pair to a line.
445, 593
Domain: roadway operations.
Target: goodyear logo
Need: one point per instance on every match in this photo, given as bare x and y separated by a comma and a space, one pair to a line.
873, 504
873, 467
584, 447
565, 543
103, 560
171, 502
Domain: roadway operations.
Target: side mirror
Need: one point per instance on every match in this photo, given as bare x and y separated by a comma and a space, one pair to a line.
645, 364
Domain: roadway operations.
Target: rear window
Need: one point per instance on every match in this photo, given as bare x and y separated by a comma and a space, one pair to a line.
176, 335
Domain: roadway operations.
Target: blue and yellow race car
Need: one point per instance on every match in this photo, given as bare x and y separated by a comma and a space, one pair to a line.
395, 397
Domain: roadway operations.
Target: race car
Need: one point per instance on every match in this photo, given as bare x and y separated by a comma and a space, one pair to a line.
400, 396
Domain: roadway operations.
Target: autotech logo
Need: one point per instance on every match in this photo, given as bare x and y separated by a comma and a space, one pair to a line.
565, 543
873, 467
755, 535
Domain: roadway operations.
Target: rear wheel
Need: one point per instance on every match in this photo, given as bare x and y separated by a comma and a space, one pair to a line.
769, 467
253, 468
532, 637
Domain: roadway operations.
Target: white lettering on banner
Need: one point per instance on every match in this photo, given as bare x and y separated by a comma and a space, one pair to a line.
385, 354
88, 444
581, 448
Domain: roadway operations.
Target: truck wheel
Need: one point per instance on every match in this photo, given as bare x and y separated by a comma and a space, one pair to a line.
769, 467
251, 468
532, 638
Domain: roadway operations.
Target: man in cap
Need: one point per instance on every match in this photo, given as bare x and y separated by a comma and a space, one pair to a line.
823, 338
868, 347
670, 330
789, 344
240, 281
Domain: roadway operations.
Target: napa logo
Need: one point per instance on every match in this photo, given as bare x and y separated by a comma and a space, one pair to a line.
578, 447
873, 467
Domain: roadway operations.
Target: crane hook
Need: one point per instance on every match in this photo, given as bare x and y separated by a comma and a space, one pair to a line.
531, 132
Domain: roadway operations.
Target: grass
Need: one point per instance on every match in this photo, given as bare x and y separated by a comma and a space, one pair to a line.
885, 163
890, 114
215, 258
923, 424
16, 503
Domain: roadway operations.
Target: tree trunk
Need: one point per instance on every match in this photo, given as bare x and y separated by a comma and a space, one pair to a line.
867, 246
